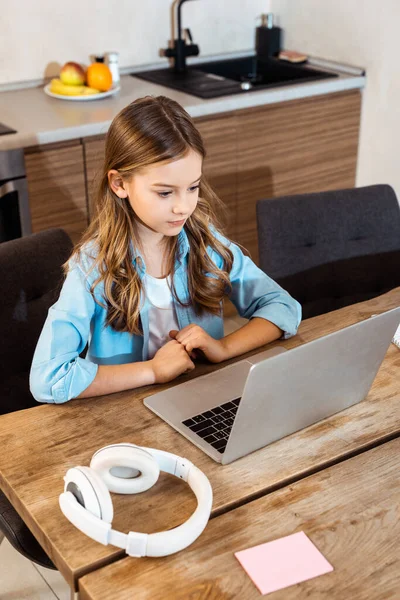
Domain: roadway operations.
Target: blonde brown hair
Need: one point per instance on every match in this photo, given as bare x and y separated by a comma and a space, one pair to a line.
148, 131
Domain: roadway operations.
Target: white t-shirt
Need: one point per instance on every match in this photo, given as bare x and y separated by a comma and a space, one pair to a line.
162, 316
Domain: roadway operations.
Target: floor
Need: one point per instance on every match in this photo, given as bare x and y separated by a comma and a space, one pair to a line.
20, 579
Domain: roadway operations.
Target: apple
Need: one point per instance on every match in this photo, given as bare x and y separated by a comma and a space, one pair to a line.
72, 74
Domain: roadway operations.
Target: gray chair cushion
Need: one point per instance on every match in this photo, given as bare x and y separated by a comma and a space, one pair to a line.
329, 287
332, 249
30, 275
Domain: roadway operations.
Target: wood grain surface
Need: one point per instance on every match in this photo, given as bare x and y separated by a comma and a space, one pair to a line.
93, 150
220, 165
350, 511
40, 444
296, 147
56, 187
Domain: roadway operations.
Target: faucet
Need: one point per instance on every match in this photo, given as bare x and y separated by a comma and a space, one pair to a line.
181, 49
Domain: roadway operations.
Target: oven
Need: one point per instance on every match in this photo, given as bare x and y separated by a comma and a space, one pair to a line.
15, 219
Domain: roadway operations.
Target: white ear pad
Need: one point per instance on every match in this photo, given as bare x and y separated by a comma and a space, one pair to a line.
90, 491
126, 468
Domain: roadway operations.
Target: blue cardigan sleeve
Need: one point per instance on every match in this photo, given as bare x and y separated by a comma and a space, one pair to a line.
58, 373
254, 294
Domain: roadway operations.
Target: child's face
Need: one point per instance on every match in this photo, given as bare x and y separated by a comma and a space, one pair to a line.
164, 195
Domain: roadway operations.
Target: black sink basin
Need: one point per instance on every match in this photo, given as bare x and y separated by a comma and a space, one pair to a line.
5, 130
233, 76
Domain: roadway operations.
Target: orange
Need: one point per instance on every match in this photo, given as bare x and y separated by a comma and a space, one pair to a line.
98, 76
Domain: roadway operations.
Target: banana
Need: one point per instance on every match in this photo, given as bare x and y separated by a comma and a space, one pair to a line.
88, 91
58, 87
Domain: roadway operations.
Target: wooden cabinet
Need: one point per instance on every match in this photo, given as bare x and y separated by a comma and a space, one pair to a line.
220, 165
93, 149
295, 147
57, 188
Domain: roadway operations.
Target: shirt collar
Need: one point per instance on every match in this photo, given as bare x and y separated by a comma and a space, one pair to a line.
183, 247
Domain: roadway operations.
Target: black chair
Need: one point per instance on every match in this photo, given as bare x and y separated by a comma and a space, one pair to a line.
31, 276
331, 249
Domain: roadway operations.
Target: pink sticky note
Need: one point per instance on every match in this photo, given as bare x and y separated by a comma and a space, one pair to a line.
283, 562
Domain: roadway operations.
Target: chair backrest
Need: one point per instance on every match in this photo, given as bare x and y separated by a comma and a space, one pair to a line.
331, 249
30, 278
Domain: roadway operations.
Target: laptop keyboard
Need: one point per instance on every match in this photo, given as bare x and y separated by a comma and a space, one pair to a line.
214, 426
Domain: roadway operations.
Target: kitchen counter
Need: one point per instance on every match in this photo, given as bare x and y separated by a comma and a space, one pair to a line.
260, 144
40, 119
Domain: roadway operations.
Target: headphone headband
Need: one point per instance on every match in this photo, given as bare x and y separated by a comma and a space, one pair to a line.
124, 460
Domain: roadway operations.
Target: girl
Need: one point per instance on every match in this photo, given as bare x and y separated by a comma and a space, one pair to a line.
144, 287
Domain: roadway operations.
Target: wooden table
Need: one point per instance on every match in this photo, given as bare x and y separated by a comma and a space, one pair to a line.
350, 511
40, 444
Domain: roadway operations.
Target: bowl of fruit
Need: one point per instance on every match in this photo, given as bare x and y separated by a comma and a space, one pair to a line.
76, 83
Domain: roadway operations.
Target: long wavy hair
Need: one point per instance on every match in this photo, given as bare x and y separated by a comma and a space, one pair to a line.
148, 131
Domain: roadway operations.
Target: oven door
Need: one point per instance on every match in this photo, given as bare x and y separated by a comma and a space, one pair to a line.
15, 219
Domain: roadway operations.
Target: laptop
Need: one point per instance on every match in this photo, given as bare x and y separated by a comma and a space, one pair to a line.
246, 406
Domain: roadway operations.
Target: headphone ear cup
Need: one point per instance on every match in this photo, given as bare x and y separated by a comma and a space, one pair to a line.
126, 468
90, 492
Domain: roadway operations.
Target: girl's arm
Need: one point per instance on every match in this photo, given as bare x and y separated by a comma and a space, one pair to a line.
116, 378
170, 361
58, 373
256, 295
257, 332
271, 311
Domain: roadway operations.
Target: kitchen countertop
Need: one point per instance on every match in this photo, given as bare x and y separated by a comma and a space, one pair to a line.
40, 119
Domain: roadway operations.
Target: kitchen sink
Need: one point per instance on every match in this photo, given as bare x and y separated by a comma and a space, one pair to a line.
5, 130
234, 76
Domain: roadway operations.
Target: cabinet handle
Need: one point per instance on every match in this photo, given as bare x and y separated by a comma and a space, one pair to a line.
7, 188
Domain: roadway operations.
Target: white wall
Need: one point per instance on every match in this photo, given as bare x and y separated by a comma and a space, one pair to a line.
363, 33
37, 36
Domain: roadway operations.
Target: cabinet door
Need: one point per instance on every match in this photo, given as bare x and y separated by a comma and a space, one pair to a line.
297, 147
56, 186
220, 168
94, 157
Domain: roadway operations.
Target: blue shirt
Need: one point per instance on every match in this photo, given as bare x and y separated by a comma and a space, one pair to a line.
58, 373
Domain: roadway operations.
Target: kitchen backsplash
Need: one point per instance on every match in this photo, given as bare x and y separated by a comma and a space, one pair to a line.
38, 37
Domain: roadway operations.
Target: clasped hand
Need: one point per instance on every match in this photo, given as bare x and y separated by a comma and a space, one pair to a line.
194, 337
176, 356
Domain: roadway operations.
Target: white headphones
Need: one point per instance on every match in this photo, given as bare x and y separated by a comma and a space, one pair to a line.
129, 469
